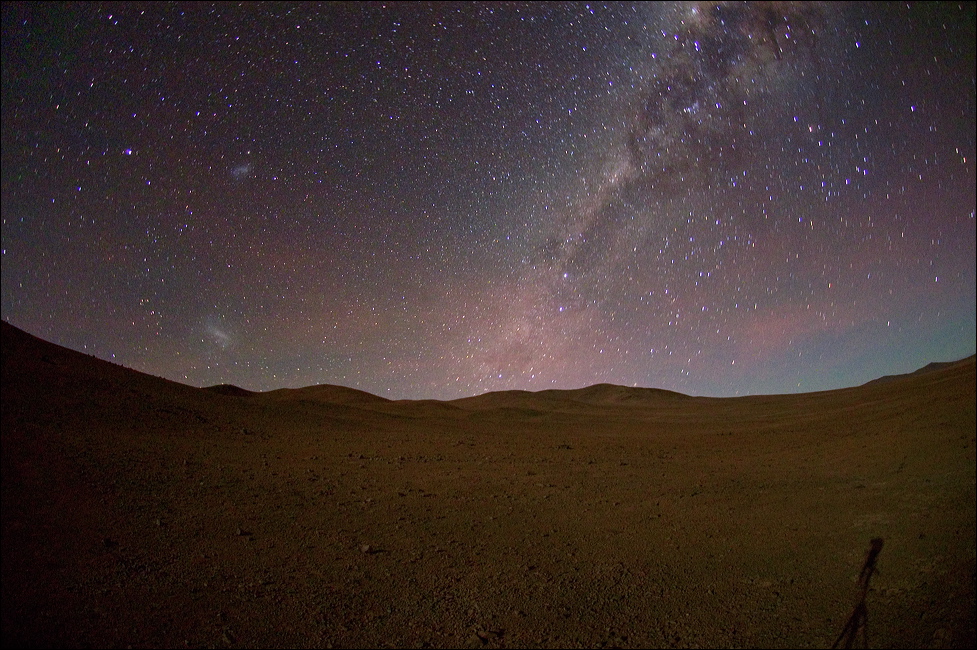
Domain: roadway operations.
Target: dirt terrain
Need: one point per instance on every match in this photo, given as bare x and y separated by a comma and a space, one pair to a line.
138, 512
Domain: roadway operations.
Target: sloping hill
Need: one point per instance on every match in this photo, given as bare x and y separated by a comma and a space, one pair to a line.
327, 394
928, 368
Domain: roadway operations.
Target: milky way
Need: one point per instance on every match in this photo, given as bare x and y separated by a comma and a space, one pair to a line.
435, 201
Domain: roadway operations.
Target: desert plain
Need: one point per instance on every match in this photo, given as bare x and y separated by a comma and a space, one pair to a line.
139, 512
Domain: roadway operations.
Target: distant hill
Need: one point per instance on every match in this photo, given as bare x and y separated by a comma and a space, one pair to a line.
230, 390
327, 393
573, 400
928, 368
36, 350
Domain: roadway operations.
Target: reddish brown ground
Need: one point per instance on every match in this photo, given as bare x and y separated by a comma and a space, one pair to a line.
139, 512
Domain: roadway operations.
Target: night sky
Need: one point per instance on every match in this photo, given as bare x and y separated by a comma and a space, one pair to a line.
434, 201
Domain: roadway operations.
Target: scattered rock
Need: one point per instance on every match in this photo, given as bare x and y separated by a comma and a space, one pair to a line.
484, 636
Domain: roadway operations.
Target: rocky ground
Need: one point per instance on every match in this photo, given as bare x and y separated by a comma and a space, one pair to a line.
141, 513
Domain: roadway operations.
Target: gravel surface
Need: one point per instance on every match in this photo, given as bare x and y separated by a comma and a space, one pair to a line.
138, 512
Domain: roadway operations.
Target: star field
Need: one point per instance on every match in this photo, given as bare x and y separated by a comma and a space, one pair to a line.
437, 200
